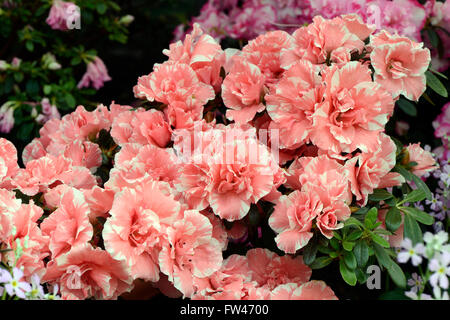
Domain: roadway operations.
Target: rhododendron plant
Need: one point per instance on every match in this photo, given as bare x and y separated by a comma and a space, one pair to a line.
238, 174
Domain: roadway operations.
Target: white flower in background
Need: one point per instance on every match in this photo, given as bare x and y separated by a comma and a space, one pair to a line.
440, 266
435, 243
410, 251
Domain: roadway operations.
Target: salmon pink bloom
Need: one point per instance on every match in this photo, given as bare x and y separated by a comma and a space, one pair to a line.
137, 227
68, 226
85, 272
228, 283
319, 39
292, 102
173, 82
354, 111
312, 290
292, 219
202, 53
25, 233
265, 53
242, 90
424, 159
369, 171
190, 251
270, 270
8, 163
399, 64
84, 154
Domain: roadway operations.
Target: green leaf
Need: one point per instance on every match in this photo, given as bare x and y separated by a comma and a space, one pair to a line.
405, 173
382, 256
422, 185
380, 240
47, 89
29, 45
321, 262
438, 73
361, 252
70, 100
101, 8
371, 218
348, 275
397, 294
334, 243
407, 107
418, 215
24, 132
32, 87
355, 235
393, 219
435, 84
350, 260
379, 195
348, 245
433, 36
412, 229
414, 196
397, 275
310, 251
353, 222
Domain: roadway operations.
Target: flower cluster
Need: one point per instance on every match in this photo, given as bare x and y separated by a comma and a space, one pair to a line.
407, 18
157, 193
435, 249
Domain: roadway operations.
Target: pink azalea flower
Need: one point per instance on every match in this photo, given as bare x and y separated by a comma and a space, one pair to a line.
96, 75
319, 39
369, 171
202, 53
85, 272
25, 233
136, 230
291, 104
135, 164
292, 219
354, 111
424, 159
190, 251
68, 226
270, 270
312, 290
399, 64
173, 82
228, 283
265, 52
242, 90
62, 13
8, 163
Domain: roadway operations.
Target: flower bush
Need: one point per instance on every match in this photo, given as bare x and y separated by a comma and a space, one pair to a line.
47, 62
240, 173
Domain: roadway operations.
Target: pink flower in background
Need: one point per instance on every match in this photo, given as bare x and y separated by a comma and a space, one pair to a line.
399, 64
442, 123
6, 118
62, 14
424, 159
49, 111
85, 272
96, 75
